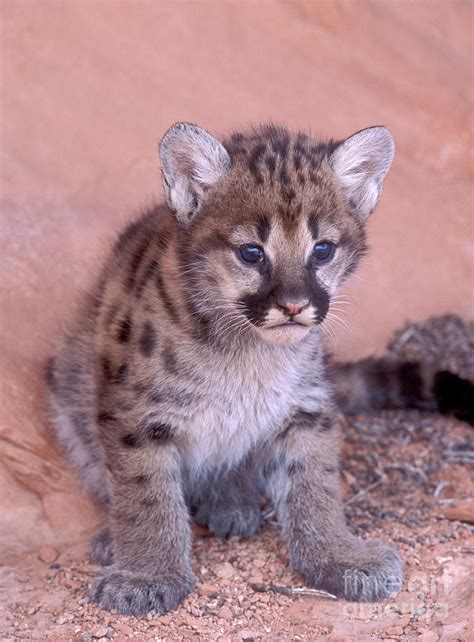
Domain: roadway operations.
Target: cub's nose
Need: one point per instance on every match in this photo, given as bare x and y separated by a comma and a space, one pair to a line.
293, 306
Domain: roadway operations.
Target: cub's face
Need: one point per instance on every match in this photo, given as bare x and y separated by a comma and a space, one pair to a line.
270, 223
270, 273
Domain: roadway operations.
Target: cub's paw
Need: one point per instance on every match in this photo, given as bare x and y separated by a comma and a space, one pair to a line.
102, 548
135, 594
242, 520
369, 571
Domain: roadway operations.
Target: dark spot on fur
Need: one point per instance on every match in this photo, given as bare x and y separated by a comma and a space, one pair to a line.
280, 140
271, 164
136, 261
156, 397
254, 160
165, 297
128, 234
106, 416
313, 226
294, 468
147, 276
170, 360
263, 228
140, 479
140, 389
124, 329
121, 374
297, 160
237, 138
326, 424
130, 440
284, 177
160, 432
330, 470
257, 305
306, 419
106, 368
147, 340
211, 243
271, 466
111, 314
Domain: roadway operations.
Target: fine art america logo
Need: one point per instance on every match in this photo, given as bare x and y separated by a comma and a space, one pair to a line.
422, 599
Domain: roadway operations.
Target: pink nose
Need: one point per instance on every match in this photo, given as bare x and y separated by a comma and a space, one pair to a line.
293, 307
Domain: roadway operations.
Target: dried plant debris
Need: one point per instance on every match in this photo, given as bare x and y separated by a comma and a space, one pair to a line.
447, 341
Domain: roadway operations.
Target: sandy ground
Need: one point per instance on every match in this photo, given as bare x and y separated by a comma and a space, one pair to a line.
406, 478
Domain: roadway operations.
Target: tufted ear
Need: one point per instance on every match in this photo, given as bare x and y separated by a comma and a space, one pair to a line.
192, 161
361, 163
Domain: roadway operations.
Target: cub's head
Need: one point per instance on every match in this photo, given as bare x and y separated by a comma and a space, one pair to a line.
270, 222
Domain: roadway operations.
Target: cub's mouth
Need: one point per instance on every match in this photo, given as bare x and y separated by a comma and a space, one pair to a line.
285, 332
290, 323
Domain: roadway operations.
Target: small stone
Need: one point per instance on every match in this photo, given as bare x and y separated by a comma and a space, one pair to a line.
226, 613
100, 632
166, 619
225, 571
47, 554
207, 590
394, 630
428, 636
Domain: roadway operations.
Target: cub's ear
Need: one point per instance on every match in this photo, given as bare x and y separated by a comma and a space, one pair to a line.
361, 163
192, 161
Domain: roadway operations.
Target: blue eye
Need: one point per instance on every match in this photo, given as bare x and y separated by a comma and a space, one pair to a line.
251, 253
323, 252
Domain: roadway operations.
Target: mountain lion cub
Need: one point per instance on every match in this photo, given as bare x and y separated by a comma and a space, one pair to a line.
193, 384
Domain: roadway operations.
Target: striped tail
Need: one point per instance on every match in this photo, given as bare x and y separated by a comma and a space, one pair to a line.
387, 382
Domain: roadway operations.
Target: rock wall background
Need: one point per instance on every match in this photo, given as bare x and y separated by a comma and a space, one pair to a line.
88, 90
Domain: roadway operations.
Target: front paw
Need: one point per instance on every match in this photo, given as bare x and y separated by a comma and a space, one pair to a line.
136, 594
367, 571
242, 520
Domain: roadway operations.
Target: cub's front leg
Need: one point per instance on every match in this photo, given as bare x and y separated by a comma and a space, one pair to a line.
305, 489
149, 524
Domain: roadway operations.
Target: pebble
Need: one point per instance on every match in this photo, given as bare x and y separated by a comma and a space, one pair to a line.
225, 571
47, 554
207, 589
428, 636
226, 613
100, 632
394, 630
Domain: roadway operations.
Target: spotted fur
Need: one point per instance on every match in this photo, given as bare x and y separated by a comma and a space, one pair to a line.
194, 382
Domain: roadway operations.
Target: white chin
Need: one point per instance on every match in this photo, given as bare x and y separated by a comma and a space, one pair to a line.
284, 333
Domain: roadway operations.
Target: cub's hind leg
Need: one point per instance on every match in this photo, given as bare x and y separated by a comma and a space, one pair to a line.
228, 503
102, 547
72, 380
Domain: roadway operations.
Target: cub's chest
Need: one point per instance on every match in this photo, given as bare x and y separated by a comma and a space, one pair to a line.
239, 408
